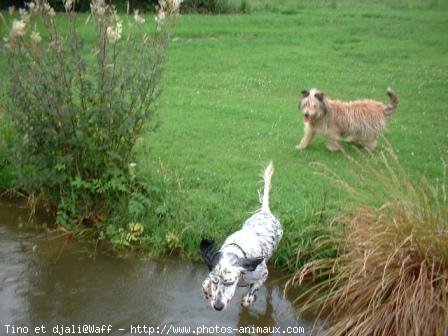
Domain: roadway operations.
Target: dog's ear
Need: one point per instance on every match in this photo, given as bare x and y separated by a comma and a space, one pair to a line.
208, 253
250, 264
319, 95
304, 93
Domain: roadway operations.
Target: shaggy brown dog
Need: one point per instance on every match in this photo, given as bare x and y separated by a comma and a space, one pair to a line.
359, 121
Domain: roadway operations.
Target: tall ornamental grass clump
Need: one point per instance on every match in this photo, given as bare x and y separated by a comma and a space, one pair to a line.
80, 102
389, 272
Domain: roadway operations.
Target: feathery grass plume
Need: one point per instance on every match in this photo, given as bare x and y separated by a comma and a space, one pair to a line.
138, 18
389, 272
18, 29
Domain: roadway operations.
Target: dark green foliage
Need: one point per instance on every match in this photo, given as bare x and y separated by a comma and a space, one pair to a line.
209, 6
7, 138
79, 112
201, 6
84, 5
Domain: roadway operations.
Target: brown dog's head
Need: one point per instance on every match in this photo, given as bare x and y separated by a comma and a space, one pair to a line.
313, 104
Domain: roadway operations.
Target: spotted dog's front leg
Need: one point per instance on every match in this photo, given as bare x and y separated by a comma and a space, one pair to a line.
207, 288
251, 295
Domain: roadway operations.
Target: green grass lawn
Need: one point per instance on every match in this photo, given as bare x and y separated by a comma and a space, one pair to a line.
229, 105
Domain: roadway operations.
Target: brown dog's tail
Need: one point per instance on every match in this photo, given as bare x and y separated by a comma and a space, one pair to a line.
392, 107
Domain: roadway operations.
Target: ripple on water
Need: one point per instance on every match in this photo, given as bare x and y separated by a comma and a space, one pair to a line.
56, 282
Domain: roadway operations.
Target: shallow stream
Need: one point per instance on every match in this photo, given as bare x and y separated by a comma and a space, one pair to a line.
55, 283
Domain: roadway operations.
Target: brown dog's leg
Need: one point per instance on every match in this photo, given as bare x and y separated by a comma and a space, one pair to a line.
333, 141
371, 145
307, 137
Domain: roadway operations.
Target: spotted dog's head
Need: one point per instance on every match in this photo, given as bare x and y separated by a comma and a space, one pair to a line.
313, 105
225, 271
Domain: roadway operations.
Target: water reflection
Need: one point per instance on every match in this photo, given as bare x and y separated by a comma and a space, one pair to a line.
58, 283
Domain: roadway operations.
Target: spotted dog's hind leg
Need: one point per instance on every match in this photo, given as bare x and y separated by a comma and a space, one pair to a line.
251, 295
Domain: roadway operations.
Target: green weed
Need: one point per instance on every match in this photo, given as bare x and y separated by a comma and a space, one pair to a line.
79, 105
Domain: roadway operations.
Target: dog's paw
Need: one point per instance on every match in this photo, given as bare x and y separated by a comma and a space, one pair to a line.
333, 147
206, 289
248, 300
300, 146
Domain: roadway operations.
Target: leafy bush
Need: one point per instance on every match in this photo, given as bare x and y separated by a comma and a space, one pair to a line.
388, 274
79, 109
84, 5
209, 6
201, 6
7, 139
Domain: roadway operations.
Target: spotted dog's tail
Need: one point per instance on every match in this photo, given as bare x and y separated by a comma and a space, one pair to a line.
267, 187
392, 107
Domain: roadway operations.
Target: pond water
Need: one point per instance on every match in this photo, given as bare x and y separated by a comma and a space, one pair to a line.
61, 285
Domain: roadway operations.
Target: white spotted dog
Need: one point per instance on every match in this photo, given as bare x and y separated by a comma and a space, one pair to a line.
242, 259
